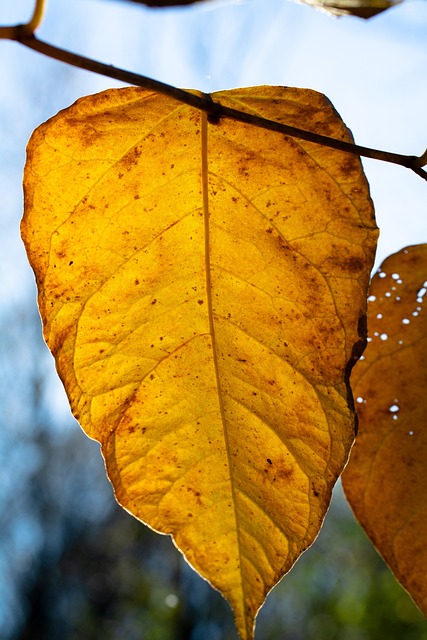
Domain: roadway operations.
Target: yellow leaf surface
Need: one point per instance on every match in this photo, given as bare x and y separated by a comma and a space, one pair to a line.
203, 290
386, 478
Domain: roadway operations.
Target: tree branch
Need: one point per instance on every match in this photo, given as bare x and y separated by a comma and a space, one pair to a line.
215, 110
8, 33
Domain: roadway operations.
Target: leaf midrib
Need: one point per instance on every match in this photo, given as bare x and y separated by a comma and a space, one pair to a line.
206, 220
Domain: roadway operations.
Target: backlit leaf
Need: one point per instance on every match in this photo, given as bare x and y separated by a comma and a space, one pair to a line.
360, 8
386, 478
166, 3
203, 290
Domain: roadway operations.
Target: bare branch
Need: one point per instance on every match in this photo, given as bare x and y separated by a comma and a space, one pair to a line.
215, 110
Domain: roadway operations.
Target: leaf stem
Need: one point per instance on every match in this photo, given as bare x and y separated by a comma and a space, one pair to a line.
37, 17
8, 33
215, 110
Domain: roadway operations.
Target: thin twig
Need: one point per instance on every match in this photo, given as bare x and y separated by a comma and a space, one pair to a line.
215, 110
8, 33
37, 17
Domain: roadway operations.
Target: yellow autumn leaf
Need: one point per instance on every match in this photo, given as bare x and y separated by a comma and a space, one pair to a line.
203, 290
386, 478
